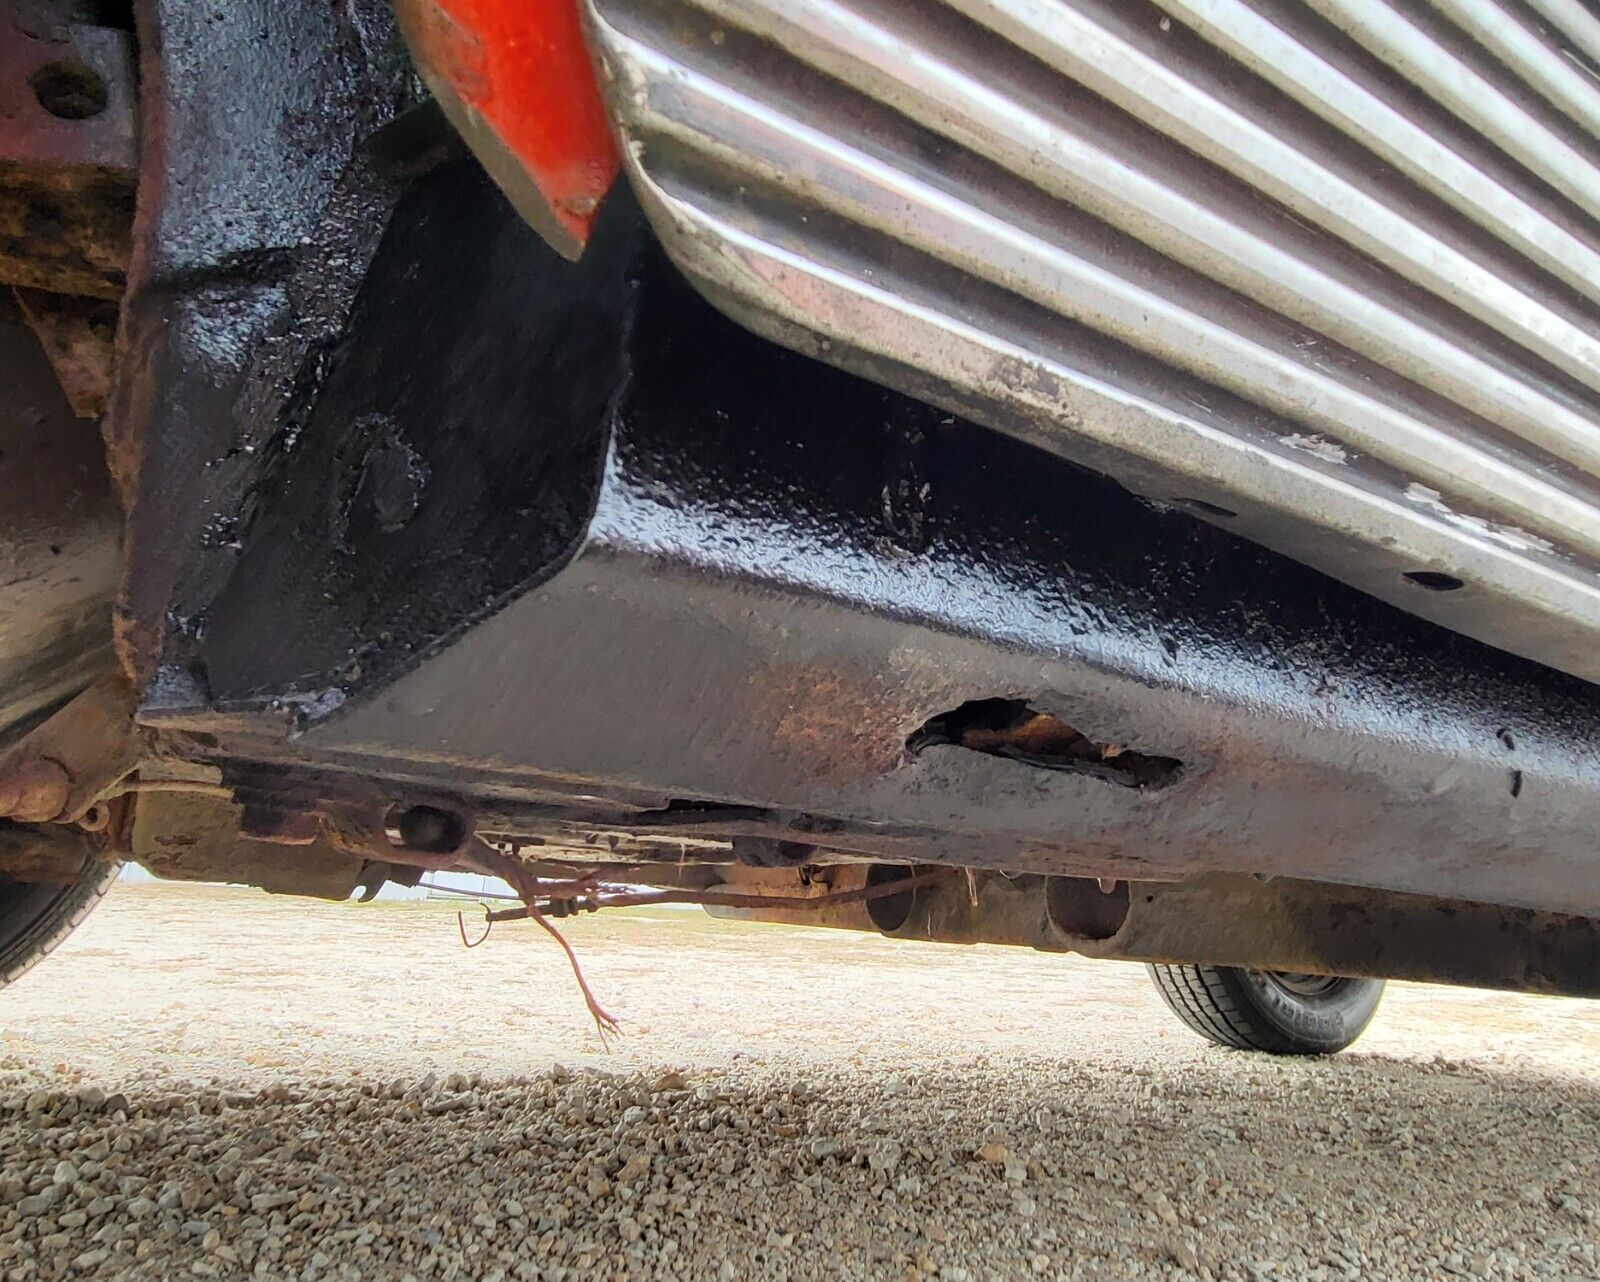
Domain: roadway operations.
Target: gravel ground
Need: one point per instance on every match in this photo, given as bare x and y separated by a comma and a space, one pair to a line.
219, 1084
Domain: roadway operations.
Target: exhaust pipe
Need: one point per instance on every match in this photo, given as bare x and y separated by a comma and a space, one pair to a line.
1223, 919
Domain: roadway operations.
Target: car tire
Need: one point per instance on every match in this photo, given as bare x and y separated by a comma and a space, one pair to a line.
36, 916
1259, 1010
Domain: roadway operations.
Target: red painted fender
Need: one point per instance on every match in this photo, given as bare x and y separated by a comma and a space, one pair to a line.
514, 77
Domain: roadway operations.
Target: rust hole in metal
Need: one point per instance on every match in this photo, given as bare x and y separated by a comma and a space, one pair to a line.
1012, 729
69, 90
1433, 581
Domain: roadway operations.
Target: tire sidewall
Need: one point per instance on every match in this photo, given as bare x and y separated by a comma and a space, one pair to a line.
1324, 1023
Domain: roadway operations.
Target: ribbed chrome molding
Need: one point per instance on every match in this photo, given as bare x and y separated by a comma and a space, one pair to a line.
1327, 272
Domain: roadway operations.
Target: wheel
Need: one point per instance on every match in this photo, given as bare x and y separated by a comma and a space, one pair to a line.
36, 916
1265, 1010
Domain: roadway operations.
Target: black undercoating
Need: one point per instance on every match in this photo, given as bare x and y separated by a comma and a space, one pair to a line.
524, 532
452, 455
264, 189
766, 607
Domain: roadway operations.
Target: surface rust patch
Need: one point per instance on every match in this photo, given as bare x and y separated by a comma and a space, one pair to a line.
836, 729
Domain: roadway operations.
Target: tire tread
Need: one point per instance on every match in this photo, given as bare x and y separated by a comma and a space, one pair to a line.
45, 934
1207, 1000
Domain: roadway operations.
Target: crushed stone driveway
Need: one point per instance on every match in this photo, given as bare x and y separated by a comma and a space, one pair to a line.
220, 1084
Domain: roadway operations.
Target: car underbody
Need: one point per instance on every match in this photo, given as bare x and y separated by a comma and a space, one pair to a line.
801, 498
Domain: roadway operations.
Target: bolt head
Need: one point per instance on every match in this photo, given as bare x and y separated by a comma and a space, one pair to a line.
34, 791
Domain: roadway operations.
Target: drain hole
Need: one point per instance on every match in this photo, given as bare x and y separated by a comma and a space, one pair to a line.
1433, 580
69, 90
425, 828
890, 913
1010, 728
1077, 906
